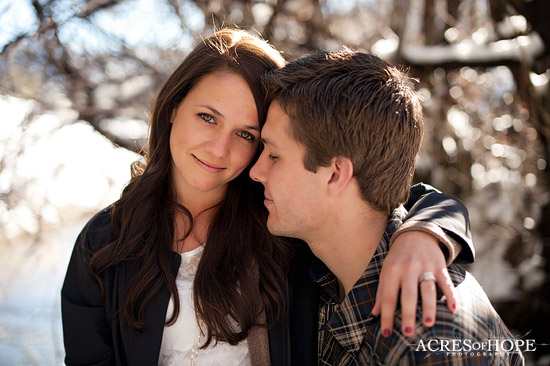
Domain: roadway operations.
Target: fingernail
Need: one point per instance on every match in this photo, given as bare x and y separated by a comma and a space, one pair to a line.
428, 320
408, 330
386, 333
454, 305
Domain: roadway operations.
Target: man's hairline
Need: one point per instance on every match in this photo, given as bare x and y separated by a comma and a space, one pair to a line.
290, 132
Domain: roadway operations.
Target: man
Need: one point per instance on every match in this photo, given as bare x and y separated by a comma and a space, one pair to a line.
340, 143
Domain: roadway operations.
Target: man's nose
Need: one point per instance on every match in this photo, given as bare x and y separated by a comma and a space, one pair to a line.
257, 171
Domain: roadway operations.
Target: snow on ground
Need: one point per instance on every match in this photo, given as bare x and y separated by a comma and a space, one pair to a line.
56, 173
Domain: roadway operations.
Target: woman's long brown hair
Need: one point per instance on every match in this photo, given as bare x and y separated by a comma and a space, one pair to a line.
238, 240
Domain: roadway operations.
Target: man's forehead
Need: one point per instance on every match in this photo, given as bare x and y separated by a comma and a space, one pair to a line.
277, 126
269, 142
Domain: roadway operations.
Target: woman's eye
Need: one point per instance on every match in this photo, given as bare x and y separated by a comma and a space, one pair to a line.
247, 135
272, 157
207, 118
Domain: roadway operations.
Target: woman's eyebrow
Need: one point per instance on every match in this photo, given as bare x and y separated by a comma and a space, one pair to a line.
220, 114
214, 110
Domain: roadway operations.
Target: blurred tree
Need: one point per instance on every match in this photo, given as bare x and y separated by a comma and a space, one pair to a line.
483, 65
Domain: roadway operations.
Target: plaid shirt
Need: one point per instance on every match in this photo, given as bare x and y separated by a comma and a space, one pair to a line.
350, 335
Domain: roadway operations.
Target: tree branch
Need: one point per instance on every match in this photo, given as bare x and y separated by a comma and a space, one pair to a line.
277, 9
91, 6
12, 43
519, 49
94, 116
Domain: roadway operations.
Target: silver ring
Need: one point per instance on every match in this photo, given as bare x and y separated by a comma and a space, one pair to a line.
427, 276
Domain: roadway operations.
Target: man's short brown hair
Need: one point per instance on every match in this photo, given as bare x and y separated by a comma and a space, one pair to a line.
355, 105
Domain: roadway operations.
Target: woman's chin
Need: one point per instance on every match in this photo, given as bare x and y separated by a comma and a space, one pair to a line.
209, 187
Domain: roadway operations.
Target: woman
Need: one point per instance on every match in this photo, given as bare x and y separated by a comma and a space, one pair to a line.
181, 269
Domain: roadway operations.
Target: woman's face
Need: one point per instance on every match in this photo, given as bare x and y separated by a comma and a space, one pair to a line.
214, 136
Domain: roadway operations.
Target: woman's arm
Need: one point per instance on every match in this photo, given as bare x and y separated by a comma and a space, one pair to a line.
86, 330
429, 207
437, 226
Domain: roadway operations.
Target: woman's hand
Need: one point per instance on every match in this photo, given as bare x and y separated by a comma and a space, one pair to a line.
411, 255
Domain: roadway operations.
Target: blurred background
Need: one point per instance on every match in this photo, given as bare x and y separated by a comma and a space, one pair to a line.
77, 79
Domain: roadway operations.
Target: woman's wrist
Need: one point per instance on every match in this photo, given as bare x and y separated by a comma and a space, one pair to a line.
448, 245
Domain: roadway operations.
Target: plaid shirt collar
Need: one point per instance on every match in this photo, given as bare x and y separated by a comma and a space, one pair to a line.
348, 319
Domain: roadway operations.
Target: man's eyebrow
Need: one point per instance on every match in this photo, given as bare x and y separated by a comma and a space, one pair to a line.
268, 142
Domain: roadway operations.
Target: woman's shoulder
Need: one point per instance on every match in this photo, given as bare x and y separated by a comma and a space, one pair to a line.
101, 219
99, 230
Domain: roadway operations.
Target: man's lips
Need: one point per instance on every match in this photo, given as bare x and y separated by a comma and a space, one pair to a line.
207, 165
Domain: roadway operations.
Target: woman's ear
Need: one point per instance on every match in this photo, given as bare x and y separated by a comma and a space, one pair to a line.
173, 116
342, 174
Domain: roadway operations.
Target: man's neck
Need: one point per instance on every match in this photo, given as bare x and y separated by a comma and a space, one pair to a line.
347, 245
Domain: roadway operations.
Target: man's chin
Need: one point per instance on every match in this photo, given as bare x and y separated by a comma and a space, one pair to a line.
275, 228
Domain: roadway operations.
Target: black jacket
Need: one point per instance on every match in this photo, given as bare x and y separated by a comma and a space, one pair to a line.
93, 335
294, 340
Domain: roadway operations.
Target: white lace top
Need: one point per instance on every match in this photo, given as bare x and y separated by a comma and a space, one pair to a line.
179, 339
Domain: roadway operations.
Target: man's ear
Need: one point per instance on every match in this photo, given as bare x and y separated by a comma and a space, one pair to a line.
342, 173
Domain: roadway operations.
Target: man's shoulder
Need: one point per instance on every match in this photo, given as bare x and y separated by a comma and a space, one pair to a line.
474, 322
472, 299
475, 317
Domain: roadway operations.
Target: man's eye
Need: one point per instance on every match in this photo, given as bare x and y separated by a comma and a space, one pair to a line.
247, 135
207, 118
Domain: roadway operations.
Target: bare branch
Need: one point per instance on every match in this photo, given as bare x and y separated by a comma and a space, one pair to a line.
520, 49
95, 115
12, 44
536, 13
277, 9
39, 9
92, 6
174, 5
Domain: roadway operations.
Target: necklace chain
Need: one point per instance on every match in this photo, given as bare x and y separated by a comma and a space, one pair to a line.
197, 342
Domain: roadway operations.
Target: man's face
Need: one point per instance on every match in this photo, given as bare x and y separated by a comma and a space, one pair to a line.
292, 193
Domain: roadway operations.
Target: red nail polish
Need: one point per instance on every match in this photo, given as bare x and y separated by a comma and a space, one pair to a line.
454, 305
386, 333
408, 330
428, 320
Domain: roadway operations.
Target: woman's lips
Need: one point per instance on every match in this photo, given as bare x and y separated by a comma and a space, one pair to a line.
207, 166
